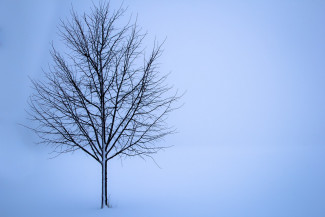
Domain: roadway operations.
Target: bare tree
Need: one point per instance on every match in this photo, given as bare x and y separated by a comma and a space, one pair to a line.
104, 96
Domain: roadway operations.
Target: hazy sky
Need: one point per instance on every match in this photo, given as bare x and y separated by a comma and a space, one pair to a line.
253, 72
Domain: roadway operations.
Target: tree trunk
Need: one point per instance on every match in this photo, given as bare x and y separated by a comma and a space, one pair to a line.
106, 198
104, 185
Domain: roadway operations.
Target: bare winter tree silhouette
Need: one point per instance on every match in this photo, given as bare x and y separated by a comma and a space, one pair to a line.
104, 97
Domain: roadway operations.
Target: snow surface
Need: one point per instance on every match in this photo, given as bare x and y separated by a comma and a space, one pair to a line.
192, 181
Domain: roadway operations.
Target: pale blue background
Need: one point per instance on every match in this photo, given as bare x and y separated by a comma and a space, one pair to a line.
251, 136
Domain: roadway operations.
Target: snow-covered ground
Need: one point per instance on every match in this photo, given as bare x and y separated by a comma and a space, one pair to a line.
202, 180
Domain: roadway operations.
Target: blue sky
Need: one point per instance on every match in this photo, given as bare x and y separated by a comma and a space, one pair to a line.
250, 131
